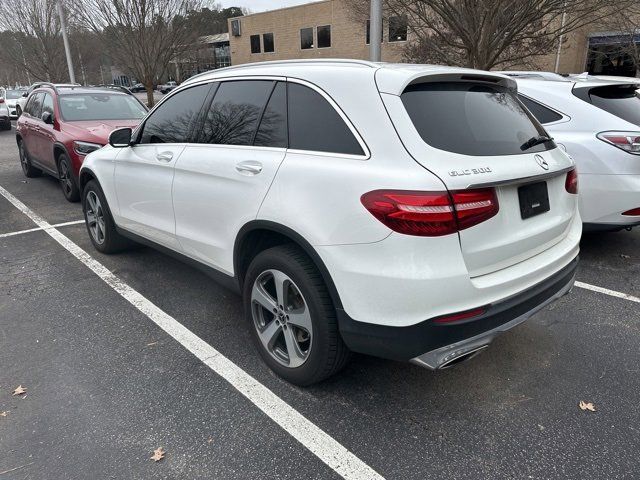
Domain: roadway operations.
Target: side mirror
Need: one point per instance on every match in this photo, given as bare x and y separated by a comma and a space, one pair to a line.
120, 138
25, 95
47, 118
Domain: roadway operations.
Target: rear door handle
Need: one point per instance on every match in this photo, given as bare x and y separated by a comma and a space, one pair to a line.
249, 167
164, 156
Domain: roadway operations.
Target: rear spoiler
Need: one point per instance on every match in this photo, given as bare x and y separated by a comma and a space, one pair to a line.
583, 90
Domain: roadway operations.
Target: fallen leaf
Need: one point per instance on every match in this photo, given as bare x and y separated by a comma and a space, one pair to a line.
587, 406
158, 454
20, 390
625, 256
4, 414
210, 440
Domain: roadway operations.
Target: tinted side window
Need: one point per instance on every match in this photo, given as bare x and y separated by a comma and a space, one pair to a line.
472, 118
272, 131
47, 104
542, 113
232, 118
621, 101
315, 125
171, 122
35, 104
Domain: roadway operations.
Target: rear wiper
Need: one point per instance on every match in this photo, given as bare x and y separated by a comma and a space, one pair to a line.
533, 141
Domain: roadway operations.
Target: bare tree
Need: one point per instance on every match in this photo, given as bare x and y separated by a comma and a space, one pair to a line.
488, 34
32, 38
141, 36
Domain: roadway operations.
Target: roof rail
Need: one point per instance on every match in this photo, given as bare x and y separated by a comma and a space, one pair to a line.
315, 61
112, 86
53, 85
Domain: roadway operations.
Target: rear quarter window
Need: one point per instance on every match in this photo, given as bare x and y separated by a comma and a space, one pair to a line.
542, 113
472, 118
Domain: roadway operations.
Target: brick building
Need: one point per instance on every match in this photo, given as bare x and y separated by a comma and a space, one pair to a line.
327, 29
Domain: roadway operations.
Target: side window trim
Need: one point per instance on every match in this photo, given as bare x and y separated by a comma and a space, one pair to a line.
264, 109
341, 114
564, 116
194, 137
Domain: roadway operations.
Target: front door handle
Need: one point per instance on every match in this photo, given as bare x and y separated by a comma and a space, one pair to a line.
164, 156
249, 167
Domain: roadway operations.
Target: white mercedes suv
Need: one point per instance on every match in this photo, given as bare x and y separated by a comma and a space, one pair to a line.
406, 211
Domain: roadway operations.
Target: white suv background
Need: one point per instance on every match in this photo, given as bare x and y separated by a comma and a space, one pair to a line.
409, 212
598, 123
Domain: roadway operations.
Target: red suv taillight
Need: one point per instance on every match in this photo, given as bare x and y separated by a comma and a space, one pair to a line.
571, 183
1, 100
431, 214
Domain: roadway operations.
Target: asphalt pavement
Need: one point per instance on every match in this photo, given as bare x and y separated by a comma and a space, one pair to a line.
106, 386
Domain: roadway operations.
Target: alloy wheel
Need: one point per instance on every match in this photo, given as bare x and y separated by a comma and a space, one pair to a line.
282, 319
24, 162
65, 178
95, 217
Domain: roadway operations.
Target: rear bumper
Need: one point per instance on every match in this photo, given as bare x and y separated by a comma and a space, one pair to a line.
434, 345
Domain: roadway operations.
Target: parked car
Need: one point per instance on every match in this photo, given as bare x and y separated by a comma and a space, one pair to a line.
138, 87
60, 125
598, 123
5, 120
167, 87
25, 94
414, 221
11, 98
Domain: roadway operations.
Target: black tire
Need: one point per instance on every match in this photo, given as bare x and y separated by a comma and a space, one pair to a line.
68, 183
29, 170
327, 353
111, 241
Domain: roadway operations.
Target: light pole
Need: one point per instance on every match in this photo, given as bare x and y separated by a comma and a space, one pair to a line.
375, 30
562, 22
65, 39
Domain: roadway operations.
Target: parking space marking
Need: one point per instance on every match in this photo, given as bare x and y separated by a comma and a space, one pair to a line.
606, 291
37, 229
316, 440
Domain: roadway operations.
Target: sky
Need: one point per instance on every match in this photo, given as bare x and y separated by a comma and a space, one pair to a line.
261, 5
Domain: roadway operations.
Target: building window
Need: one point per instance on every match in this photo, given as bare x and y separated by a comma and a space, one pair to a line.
398, 29
324, 36
267, 41
306, 38
368, 34
255, 43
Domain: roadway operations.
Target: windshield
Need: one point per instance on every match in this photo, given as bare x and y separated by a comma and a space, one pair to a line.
100, 106
472, 119
621, 101
13, 94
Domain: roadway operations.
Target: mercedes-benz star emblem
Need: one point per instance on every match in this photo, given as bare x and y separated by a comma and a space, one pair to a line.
542, 162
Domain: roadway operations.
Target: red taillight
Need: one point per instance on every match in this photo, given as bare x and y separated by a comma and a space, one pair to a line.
460, 316
1, 100
627, 141
571, 183
431, 214
634, 212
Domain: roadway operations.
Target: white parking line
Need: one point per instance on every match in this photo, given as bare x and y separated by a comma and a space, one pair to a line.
316, 440
606, 291
20, 232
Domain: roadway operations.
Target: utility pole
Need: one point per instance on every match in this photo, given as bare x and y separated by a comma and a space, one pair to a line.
375, 31
65, 39
564, 19
24, 63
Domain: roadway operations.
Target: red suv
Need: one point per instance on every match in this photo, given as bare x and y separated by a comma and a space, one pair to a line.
60, 125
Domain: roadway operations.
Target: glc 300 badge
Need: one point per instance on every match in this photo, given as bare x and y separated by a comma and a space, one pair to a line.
469, 171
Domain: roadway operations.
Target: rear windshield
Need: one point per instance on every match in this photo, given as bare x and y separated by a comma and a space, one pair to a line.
471, 118
100, 106
621, 101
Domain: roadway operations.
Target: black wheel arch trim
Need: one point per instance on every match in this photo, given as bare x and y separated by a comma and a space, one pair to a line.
298, 239
61, 146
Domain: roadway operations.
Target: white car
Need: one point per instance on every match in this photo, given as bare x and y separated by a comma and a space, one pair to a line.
11, 99
5, 119
598, 123
414, 220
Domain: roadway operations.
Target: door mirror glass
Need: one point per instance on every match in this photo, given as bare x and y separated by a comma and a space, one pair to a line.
47, 118
120, 138
25, 95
